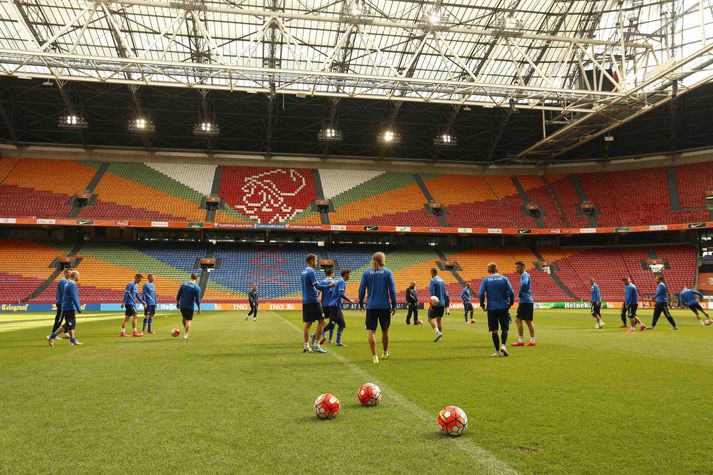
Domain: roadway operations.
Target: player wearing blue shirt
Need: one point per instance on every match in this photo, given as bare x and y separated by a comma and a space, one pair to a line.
437, 288
377, 283
70, 307
336, 316
525, 307
252, 300
661, 304
311, 308
59, 293
131, 299
631, 303
496, 297
687, 297
325, 297
465, 296
596, 301
148, 295
189, 294
412, 303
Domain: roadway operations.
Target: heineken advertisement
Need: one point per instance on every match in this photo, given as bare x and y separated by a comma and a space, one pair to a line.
195, 225
570, 305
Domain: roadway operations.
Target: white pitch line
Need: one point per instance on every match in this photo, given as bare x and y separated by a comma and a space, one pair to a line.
489, 461
45, 322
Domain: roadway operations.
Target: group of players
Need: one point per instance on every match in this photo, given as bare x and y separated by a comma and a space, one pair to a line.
68, 305
377, 295
496, 296
323, 300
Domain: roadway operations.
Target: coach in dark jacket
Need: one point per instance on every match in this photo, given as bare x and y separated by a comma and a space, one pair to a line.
412, 301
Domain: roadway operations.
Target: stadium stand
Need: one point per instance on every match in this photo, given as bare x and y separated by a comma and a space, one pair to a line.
106, 268
25, 266
376, 198
693, 181
40, 188
173, 192
141, 192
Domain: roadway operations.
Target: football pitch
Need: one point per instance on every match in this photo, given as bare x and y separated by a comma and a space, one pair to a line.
238, 397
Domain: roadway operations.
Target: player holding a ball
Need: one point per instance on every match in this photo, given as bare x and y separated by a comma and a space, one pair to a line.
435, 313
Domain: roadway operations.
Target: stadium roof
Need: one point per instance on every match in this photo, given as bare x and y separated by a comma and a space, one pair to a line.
588, 66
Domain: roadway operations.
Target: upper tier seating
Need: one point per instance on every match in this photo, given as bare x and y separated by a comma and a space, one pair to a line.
174, 192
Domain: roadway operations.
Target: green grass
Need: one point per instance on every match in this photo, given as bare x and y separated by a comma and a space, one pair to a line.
238, 398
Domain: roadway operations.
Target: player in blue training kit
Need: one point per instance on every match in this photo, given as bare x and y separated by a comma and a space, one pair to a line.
131, 299
466, 296
59, 293
596, 301
495, 289
525, 307
412, 303
325, 297
188, 299
252, 300
148, 295
70, 307
311, 308
687, 297
377, 284
437, 288
661, 304
631, 302
336, 316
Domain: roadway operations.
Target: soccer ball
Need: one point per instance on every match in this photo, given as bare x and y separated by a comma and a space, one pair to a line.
452, 421
327, 406
434, 301
369, 394
707, 322
175, 332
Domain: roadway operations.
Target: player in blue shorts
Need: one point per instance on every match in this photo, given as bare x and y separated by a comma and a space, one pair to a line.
596, 301
59, 293
377, 284
311, 308
70, 308
148, 295
336, 316
661, 305
131, 300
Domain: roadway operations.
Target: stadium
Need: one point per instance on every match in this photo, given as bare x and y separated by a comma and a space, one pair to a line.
403, 235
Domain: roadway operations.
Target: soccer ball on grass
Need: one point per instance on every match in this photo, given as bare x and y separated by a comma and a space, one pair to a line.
369, 394
452, 421
327, 406
707, 322
175, 332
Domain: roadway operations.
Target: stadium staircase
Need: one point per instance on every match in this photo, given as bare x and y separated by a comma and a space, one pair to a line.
526, 200
429, 198
558, 205
215, 191
591, 219
553, 275
673, 189
323, 215
54, 276
90, 188
444, 257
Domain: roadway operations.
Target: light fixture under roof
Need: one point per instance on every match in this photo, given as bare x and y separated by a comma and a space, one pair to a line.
72, 121
330, 134
445, 140
389, 137
142, 126
206, 129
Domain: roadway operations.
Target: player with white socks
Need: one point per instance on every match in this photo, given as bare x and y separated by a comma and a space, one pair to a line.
525, 307
437, 289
